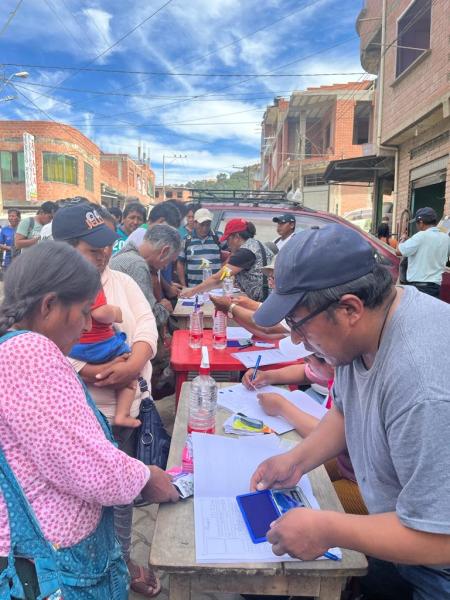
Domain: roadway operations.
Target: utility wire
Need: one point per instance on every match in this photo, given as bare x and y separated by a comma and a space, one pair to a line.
116, 43
12, 14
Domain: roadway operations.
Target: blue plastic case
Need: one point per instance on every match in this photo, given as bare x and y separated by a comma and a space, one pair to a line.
260, 509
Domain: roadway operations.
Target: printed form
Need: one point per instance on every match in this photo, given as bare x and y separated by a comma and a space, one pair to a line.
237, 398
220, 532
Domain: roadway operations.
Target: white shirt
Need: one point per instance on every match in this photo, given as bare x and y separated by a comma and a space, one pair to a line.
280, 243
46, 232
427, 253
140, 326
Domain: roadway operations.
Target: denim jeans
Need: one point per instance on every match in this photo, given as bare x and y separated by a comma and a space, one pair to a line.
123, 515
388, 581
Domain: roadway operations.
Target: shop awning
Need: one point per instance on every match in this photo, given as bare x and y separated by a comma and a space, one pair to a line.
361, 169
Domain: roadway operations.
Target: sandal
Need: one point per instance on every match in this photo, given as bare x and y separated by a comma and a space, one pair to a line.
143, 580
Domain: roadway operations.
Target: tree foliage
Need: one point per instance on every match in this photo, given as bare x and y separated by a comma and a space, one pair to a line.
241, 180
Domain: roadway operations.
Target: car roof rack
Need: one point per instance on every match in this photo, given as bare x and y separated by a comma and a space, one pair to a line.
235, 197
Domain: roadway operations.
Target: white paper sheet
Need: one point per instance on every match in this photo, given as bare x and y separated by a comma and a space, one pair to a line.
220, 532
292, 351
268, 357
237, 398
238, 333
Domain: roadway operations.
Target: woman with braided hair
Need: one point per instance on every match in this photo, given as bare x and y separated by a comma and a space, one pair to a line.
60, 473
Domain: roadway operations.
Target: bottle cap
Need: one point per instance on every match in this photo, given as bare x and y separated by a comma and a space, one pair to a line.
204, 365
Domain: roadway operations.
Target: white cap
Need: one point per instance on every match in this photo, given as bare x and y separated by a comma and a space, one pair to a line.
203, 214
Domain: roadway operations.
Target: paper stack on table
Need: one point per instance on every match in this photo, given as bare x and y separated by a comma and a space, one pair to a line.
220, 532
269, 357
237, 398
238, 333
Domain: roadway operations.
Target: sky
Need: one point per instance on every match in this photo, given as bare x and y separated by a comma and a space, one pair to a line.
186, 79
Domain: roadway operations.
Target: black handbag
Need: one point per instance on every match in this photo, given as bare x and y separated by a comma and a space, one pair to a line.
153, 441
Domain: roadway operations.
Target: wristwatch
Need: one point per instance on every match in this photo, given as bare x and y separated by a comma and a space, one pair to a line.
230, 310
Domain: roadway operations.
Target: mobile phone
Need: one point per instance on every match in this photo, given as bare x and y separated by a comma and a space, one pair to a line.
242, 343
260, 509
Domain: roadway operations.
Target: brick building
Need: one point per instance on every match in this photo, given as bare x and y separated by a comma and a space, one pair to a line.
412, 106
67, 164
173, 193
300, 137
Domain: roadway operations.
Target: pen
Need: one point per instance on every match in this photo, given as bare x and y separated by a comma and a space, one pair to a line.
255, 371
196, 304
331, 556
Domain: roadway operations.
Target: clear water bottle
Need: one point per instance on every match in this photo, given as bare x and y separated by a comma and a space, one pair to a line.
203, 399
196, 329
207, 272
228, 285
219, 330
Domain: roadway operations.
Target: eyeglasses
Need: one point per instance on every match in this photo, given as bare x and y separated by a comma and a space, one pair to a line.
297, 325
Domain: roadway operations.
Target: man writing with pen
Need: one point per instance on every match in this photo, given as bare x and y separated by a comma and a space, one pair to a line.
391, 406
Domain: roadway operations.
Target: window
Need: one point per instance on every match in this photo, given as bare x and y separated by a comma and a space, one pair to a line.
151, 189
12, 167
313, 179
169, 194
179, 194
60, 167
157, 194
327, 137
413, 34
88, 177
361, 123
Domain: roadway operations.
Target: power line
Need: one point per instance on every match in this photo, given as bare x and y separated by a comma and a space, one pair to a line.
171, 73
116, 43
12, 14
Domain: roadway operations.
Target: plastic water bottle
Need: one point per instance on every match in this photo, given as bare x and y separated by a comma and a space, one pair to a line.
203, 399
219, 330
207, 272
228, 285
196, 329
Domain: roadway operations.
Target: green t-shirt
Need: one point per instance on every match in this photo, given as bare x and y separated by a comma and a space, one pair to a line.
30, 228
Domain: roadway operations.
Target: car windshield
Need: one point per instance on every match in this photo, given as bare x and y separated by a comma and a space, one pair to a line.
266, 229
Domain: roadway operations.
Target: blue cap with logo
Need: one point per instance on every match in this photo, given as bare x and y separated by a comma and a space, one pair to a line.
81, 220
315, 259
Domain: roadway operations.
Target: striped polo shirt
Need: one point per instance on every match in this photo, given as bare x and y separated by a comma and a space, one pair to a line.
193, 251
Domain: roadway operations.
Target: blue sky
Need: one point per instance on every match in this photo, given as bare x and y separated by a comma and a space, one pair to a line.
196, 92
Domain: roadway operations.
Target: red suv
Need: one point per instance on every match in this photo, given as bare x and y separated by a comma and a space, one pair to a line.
261, 215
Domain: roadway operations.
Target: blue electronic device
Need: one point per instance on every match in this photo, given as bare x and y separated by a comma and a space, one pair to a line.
260, 509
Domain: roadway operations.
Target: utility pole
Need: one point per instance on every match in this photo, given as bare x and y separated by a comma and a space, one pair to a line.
174, 156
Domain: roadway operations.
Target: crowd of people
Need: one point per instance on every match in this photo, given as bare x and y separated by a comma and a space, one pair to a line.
88, 307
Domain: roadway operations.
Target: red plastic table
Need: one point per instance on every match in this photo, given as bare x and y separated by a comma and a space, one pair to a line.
184, 359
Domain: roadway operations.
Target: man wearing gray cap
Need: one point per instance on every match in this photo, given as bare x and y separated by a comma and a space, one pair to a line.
391, 409
427, 251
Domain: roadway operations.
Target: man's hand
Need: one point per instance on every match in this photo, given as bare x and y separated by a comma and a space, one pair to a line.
272, 404
281, 471
175, 289
246, 302
187, 293
159, 487
262, 378
221, 303
167, 305
301, 533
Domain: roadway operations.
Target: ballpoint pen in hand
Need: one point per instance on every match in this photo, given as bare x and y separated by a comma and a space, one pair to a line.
255, 371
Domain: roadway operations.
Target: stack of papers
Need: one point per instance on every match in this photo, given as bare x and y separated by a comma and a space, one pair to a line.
268, 357
238, 333
237, 398
220, 532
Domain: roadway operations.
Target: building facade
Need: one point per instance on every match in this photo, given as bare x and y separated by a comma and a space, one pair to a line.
67, 164
172, 193
302, 134
412, 101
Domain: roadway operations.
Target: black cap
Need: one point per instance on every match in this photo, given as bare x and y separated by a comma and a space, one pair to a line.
82, 221
426, 215
315, 259
286, 218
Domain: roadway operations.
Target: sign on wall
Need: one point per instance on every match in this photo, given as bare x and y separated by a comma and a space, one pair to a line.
29, 156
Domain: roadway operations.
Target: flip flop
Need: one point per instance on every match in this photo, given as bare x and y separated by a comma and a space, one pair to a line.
143, 580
